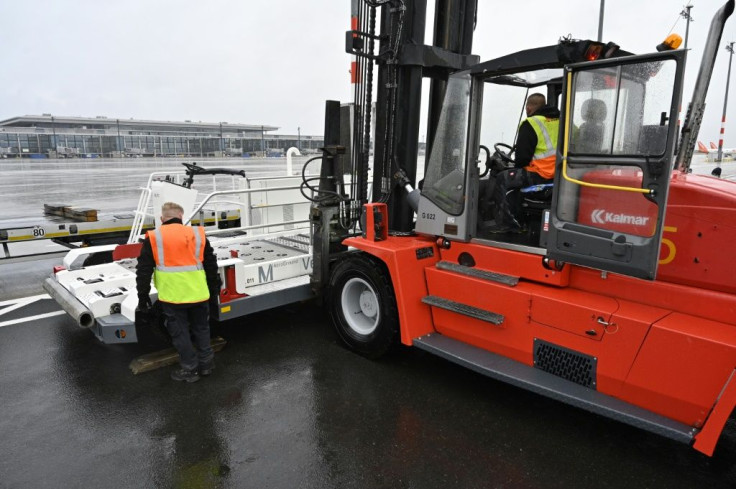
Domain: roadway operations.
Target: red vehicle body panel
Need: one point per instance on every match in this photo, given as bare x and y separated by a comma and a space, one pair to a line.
700, 220
706, 439
407, 275
668, 346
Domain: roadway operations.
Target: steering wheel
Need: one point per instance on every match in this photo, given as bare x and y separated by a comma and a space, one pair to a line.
505, 156
488, 162
193, 168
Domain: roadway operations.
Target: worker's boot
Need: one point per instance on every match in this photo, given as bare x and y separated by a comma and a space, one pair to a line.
206, 369
182, 375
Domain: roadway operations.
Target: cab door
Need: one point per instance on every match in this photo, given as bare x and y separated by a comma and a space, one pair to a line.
615, 155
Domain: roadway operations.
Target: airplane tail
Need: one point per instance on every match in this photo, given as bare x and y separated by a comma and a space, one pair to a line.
702, 148
713, 145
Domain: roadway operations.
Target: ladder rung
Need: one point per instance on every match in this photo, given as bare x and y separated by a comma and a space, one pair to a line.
464, 309
476, 273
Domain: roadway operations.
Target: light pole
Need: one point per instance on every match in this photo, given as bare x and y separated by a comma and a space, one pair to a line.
600, 21
299, 138
729, 48
222, 144
119, 144
53, 129
263, 142
686, 15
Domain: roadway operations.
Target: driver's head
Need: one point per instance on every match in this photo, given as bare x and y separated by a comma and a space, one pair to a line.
535, 102
171, 210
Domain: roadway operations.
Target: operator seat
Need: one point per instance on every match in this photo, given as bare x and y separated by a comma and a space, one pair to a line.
535, 199
590, 136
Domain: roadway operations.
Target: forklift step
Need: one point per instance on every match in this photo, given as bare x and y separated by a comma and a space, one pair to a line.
549, 385
162, 358
464, 309
476, 273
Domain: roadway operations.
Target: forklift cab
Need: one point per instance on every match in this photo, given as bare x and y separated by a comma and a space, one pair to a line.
529, 202
614, 154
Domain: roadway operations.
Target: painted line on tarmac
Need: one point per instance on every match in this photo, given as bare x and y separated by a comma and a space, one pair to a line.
24, 300
32, 318
18, 303
15, 304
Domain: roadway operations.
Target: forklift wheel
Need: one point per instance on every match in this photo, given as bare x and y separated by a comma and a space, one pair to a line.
362, 306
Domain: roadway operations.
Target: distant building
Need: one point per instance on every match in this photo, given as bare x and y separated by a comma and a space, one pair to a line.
48, 136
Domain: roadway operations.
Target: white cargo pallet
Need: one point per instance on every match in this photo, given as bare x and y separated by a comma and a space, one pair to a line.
270, 254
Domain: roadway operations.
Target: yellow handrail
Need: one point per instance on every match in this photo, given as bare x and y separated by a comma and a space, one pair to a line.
568, 121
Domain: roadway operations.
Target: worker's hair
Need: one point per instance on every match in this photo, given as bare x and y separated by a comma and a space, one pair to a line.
171, 209
536, 99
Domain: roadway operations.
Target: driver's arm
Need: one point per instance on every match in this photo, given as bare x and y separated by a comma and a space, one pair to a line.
525, 144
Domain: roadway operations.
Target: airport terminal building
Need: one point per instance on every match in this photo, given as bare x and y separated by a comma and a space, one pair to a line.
48, 136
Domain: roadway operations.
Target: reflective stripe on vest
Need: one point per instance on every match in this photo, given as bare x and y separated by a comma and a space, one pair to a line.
161, 262
178, 251
547, 130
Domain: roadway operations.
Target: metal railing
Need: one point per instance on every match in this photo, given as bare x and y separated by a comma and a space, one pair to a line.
218, 200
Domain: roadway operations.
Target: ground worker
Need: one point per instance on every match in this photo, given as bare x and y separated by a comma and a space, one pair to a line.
184, 270
536, 147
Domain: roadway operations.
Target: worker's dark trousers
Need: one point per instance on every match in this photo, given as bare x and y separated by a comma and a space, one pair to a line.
507, 204
189, 327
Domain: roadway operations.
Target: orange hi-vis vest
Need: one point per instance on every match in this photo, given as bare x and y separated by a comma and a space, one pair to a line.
545, 153
178, 251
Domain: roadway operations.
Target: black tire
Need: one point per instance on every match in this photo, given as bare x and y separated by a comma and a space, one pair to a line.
362, 305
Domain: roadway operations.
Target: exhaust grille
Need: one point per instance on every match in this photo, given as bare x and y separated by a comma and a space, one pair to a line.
568, 364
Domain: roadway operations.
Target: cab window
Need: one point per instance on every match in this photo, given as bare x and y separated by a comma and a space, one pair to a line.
444, 182
618, 129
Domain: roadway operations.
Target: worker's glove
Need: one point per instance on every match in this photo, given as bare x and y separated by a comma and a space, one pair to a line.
497, 164
214, 304
214, 299
144, 304
144, 312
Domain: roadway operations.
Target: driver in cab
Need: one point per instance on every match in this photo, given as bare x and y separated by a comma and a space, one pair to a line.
536, 148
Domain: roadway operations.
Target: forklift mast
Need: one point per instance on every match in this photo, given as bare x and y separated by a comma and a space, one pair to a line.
403, 60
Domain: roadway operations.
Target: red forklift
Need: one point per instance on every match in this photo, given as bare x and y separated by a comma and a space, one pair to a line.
618, 298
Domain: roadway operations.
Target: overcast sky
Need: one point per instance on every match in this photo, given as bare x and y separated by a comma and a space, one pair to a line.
275, 62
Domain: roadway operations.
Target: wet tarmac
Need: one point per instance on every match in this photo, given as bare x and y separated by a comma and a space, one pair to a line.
289, 407
107, 185
103, 184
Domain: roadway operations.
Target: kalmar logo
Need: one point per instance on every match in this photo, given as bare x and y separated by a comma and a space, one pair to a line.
601, 216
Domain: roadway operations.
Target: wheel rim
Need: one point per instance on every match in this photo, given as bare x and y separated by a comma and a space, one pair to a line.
360, 306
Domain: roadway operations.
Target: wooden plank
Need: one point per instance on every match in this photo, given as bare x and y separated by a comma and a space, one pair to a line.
80, 214
163, 358
54, 209
71, 212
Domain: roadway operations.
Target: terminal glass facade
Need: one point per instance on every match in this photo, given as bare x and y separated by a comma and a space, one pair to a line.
65, 137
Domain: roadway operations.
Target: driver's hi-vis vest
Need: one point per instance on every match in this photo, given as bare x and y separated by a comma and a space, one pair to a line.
543, 161
179, 253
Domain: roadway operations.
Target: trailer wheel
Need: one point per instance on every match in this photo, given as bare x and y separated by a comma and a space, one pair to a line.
362, 305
